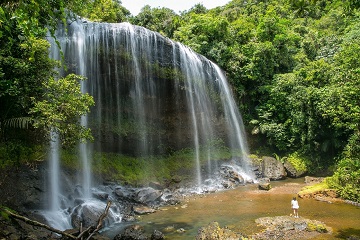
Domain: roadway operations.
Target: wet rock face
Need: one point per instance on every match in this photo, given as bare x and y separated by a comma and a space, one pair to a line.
86, 215
273, 169
22, 188
231, 177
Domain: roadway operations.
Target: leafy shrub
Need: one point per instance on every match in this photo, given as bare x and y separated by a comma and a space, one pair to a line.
346, 179
16, 153
298, 161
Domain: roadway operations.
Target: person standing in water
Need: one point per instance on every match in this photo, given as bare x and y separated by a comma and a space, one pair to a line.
295, 207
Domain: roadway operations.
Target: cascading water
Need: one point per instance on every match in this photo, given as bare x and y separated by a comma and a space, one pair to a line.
152, 97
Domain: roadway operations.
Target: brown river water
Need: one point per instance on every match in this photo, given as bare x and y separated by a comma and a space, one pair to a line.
238, 208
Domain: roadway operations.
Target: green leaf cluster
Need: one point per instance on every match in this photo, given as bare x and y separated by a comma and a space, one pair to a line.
28, 105
61, 109
299, 162
347, 179
104, 11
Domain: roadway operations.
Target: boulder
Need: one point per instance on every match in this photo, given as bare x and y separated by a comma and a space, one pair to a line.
156, 185
101, 195
147, 195
264, 184
273, 169
141, 210
85, 214
285, 227
214, 231
230, 175
134, 232
124, 193
157, 235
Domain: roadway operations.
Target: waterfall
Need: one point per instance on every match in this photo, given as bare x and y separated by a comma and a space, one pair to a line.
54, 173
153, 97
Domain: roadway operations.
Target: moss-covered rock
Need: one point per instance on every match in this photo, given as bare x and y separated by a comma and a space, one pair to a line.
213, 231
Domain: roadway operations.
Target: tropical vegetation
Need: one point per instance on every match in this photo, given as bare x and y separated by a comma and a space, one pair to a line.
293, 66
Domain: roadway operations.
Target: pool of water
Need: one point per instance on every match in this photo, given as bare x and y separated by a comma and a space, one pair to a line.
238, 208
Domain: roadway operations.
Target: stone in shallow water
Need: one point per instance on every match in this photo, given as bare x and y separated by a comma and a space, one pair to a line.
290, 228
148, 195
214, 231
141, 210
265, 186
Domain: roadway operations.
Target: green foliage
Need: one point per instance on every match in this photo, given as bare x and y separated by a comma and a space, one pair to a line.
347, 179
292, 64
4, 212
298, 161
17, 153
316, 227
203, 32
318, 187
138, 171
62, 108
105, 11
26, 74
162, 20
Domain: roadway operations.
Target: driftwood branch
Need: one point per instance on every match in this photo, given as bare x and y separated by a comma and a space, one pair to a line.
101, 218
38, 224
90, 230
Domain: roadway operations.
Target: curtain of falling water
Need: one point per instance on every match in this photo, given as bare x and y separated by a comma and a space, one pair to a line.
152, 96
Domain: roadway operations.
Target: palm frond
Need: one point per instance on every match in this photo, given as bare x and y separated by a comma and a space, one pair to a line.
19, 122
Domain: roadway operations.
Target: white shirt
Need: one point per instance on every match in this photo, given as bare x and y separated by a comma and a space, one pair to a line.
294, 204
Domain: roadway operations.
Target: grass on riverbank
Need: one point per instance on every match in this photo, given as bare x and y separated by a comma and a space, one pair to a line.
140, 170
317, 187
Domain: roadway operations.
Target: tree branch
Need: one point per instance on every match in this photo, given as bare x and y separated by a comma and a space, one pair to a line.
82, 233
38, 224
